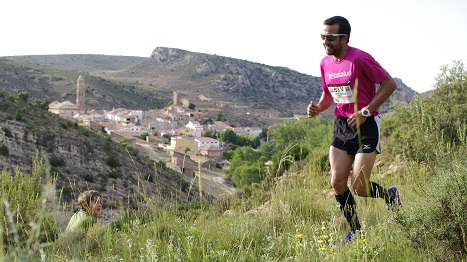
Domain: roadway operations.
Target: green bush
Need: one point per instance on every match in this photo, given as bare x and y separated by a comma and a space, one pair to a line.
113, 174
113, 161
7, 132
24, 96
88, 178
438, 222
143, 136
4, 150
56, 161
19, 116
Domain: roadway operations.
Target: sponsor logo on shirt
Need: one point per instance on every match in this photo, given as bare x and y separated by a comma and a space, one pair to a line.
339, 75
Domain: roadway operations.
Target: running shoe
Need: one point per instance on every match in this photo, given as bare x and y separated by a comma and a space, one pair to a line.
349, 236
394, 198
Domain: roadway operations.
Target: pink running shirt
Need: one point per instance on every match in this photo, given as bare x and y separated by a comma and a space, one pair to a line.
338, 79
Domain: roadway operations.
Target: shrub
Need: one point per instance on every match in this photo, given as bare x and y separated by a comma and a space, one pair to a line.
4, 150
7, 132
113, 161
19, 116
24, 96
113, 175
149, 177
56, 161
437, 223
143, 136
88, 178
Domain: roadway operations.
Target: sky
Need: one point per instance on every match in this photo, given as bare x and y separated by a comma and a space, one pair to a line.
411, 39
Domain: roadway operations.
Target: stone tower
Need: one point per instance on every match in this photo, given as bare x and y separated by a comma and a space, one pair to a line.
80, 90
175, 98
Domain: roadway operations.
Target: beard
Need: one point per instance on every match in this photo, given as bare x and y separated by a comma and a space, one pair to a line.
330, 49
334, 50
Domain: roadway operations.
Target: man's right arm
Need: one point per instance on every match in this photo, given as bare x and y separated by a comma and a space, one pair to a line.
323, 104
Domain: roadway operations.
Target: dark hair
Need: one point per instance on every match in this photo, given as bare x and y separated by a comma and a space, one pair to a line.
344, 25
85, 198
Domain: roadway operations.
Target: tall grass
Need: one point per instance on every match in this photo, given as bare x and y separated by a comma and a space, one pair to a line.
296, 219
28, 208
300, 222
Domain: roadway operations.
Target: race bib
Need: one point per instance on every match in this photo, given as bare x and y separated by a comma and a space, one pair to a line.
342, 94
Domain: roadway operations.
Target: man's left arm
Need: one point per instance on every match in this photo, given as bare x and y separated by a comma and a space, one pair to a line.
386, 88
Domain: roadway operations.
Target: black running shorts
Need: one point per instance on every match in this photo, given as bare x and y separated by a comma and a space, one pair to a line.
346, 138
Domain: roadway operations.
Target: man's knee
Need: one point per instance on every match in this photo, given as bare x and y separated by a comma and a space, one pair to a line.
339, 185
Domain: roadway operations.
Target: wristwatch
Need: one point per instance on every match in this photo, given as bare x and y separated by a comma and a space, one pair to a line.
366, 112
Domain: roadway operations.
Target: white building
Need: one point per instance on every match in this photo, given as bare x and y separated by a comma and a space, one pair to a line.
196, 127
206, 142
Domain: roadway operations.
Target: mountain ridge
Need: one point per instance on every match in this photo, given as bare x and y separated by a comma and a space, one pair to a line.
235, 81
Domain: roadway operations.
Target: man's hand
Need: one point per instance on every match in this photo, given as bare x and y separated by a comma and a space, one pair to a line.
356, 118
312, 110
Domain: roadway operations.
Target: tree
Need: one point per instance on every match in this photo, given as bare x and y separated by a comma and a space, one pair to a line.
143, 136
248, 174
186, 150
219, 117
247, 166
191, 106
228, 136
208, 121
211, 133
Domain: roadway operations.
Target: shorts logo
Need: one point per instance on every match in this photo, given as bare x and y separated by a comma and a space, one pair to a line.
366, 147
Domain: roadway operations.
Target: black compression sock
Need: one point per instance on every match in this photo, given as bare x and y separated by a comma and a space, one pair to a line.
377, 191
347, 205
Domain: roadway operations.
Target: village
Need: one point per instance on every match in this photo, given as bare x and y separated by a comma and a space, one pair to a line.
178, 130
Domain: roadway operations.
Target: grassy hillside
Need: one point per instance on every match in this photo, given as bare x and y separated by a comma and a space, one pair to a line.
57, 84
292, 215
81, 62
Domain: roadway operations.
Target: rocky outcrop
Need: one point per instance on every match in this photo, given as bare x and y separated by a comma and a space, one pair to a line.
242, 82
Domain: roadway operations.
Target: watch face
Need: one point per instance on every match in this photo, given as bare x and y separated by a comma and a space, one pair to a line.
366, 112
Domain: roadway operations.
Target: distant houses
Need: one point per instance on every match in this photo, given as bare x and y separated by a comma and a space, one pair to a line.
176, 129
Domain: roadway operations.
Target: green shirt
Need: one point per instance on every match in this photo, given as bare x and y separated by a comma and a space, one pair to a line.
81, 220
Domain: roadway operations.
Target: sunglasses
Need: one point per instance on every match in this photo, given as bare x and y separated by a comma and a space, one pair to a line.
331, 37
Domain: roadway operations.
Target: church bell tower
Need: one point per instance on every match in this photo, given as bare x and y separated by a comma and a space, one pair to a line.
80, 90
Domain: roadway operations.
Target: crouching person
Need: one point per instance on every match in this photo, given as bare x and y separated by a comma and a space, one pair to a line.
83, 234
90, 206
